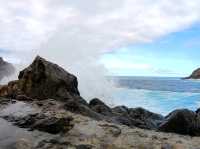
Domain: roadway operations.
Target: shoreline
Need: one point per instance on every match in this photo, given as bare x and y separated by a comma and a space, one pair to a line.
54, 93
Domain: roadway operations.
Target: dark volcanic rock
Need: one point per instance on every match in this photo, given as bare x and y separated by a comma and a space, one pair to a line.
53, 125
145, 118
23, 98
140, 113
42, 122
195, 74
198, 111
122, 110
182, 121
77, 107
100, 107
6, 69
138, 117
43, 80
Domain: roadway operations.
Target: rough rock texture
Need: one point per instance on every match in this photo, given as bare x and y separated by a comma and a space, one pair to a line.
45, 80
54, 91
88, 133
42, 122
182, 121
98, 106
83, 109
151, 120
6, 69
42, 80
195, 74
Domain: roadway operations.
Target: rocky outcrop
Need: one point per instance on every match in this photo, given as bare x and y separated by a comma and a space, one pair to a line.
6, 69
86, 132
83, 109
43, 122
138, 117
150, 120
43, 80
182, 121
100, 107
195, 74
50, 87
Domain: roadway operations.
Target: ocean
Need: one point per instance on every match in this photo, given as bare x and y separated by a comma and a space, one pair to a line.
157, 94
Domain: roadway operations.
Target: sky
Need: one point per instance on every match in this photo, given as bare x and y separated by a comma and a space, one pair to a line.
176, 54
129, 37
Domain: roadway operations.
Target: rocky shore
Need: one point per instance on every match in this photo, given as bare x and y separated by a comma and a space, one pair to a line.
45, 104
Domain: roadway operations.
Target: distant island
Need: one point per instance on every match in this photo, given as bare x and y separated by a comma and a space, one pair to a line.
195, 74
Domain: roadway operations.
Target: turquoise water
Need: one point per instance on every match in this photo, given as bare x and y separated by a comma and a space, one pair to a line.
160, 95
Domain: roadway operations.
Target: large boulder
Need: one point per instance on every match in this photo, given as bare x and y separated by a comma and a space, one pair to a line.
76, 106
121, 110
42, 80
147, 119
100, 107
141, 113
182, 121
6, 69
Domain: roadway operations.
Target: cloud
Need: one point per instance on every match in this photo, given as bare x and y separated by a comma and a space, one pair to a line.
73, 33
26, 24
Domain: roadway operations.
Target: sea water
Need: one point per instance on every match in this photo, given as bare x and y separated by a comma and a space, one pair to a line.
157, 94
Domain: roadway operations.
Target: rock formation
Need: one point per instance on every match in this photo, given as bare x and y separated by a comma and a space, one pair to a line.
6, 69
59, 109
45, 80
82, 132
195, 74
42, 80
182, 121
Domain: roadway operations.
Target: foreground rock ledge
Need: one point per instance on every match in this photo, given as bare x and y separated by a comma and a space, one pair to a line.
88, 133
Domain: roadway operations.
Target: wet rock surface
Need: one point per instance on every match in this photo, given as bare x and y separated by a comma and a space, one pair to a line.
182, 121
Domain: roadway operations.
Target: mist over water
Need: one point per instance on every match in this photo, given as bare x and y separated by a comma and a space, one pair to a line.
74, 33
79, 55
